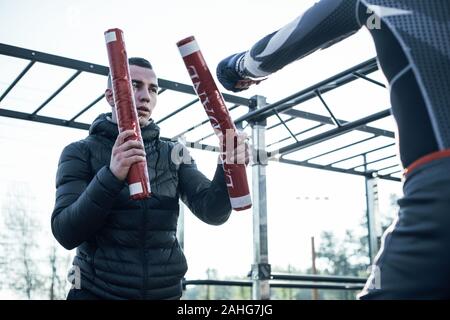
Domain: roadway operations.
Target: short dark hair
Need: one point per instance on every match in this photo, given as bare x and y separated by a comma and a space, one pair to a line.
140, 62
134, 61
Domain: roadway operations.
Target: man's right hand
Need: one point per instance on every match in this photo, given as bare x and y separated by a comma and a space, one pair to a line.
125, 154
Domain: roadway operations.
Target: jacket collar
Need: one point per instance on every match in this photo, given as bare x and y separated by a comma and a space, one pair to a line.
104, 127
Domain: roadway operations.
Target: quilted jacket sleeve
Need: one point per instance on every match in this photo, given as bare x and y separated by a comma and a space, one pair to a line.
82, 202
207, 199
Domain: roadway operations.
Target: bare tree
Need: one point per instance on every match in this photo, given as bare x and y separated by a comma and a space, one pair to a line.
20, 242
3, 263
59, 263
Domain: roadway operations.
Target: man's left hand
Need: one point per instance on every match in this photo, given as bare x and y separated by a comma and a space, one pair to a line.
236, 152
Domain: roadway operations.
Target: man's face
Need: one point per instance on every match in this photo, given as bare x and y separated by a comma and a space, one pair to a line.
145, 86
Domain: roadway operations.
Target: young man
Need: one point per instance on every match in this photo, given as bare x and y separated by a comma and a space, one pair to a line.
128, 249
412, 39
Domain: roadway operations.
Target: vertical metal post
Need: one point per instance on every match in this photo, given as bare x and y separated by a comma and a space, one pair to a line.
180, 229
261, 267
315, 292
372, 213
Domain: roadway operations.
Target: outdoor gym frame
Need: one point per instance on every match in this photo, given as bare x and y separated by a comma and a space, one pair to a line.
258, 111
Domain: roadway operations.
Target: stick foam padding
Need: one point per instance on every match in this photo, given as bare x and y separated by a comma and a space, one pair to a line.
127, 117
214, 105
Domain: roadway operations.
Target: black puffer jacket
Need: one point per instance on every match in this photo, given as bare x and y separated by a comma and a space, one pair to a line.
128, 249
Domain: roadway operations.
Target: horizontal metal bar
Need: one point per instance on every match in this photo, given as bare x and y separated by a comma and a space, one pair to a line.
333, 169
341, 148
321, 167
233, 107
308, 93
55, 60
369, 79
318, 278
180, 87
361, 154
390, 167
84, 126
190, 129
51, 59
374, 161
208, 136
205, 137
201, 146
326, 120
333, 132
93, 103
297, 134
390, 173
61, 88
199, 124
20, 76
279, 124
317, 286
42, 119
248, 283
236, 283
178, 110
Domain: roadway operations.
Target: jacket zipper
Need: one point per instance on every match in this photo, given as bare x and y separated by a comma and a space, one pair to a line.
144, 251
144, 254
